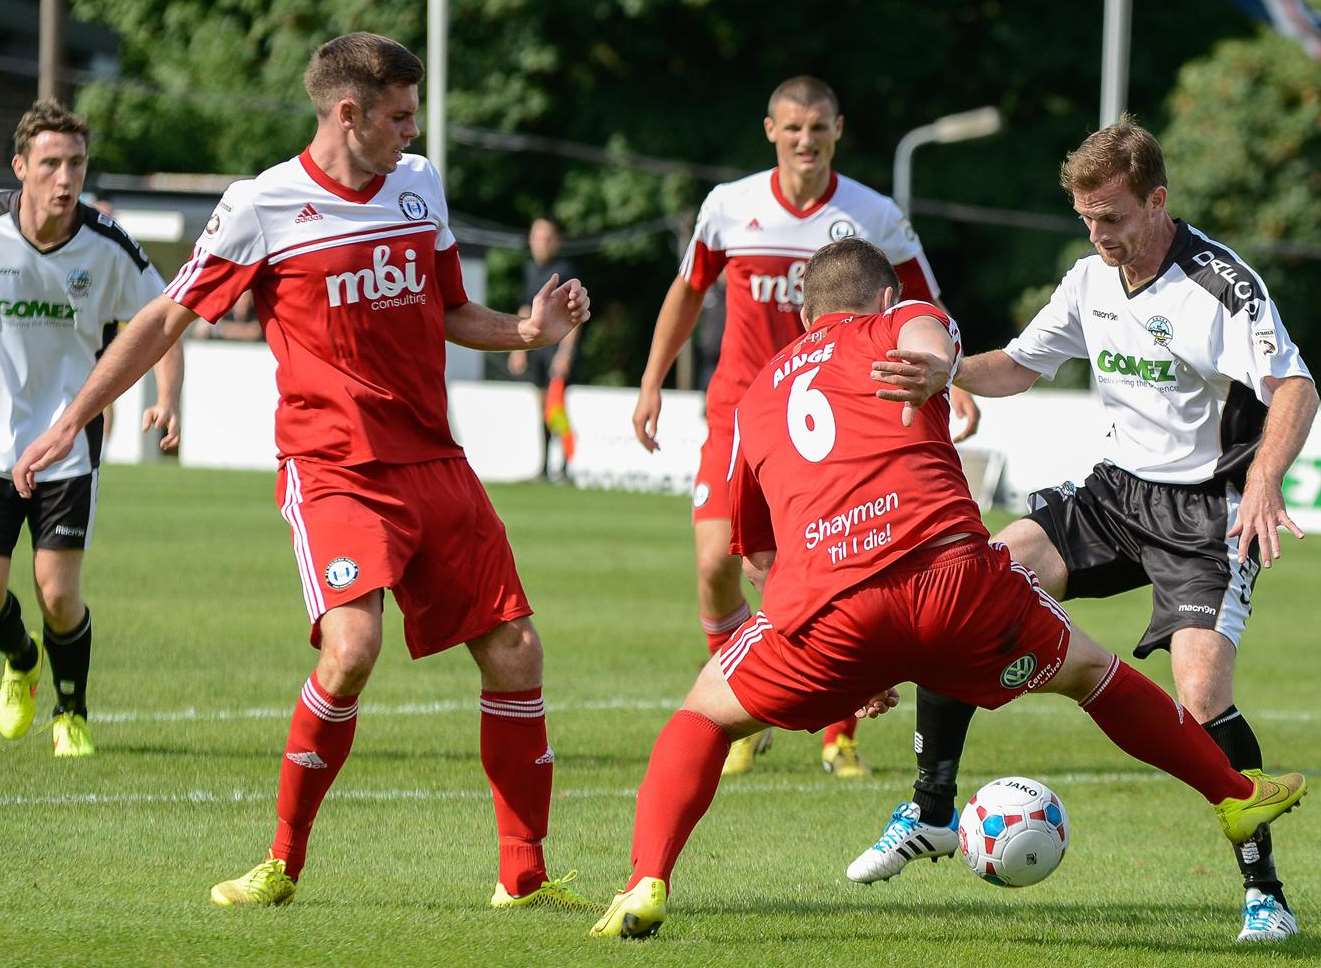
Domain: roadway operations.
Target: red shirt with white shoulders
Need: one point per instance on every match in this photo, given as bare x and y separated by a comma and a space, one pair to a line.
827, 476
351, 288
762, 242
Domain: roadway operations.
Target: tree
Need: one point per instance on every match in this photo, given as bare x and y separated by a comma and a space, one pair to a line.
1243, 152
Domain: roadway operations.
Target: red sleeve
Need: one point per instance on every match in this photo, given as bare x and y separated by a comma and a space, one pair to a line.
915, 277
702, 266
210, 285
750, 528
449, 277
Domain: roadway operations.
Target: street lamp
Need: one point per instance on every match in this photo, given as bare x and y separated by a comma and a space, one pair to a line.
963, 126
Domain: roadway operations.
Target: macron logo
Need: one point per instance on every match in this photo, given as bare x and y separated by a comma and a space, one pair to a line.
309, 760
308, 214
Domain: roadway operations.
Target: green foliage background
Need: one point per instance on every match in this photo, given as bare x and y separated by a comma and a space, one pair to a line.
216, 87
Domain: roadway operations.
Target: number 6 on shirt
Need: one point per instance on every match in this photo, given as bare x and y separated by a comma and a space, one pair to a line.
811, 421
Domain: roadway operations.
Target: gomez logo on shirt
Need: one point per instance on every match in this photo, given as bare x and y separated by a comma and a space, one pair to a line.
385, 284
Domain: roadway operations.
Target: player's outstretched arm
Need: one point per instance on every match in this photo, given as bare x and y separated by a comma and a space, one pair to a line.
674, 324
1261, 513
556, 310
132, 353
994, 374
164, 414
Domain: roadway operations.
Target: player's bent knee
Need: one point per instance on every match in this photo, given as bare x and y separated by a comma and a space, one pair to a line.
510, 656
1030, 546
711, 696
1084, 667
61, 607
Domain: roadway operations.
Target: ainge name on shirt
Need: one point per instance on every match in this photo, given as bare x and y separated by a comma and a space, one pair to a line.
799, 360
383, 283
844, 526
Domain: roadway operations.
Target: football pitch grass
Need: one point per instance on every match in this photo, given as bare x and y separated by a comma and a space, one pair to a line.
200, 652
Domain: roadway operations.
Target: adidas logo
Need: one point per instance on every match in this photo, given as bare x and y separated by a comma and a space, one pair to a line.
308, 214
753, 226
309, 760
545, 758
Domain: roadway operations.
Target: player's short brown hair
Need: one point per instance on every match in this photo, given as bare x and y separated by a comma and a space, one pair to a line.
804, 90
48, 115
846, 276
1124, 149
359, 65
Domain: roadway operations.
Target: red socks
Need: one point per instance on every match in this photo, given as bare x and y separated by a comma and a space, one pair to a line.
519, 764
845, 727
680, 783
1144, 722
718, 630
320, 737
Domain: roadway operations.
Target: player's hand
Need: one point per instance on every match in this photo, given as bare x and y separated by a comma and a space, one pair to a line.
556, 309
165, 419
517, 362
646, 418
879, 705
54, 445
1261, 514
963, 405
911, 377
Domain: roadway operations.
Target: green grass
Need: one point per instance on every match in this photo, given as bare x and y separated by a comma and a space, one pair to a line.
200, 652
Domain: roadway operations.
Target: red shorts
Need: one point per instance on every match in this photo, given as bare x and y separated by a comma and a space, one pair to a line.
425, 531
964, 620
711, 485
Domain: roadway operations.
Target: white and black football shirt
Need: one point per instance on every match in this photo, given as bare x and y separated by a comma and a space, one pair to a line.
1181, 362
58, 311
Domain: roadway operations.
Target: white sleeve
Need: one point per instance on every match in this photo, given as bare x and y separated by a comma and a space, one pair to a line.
1250, 350
1055, 334
705, 257
441, 215
894, 234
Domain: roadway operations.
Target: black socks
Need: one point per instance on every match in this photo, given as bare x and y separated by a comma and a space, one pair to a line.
70, 657
15, 642
941, 730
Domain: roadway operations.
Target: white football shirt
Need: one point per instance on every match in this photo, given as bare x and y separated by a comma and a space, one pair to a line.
1181, 363
59, 309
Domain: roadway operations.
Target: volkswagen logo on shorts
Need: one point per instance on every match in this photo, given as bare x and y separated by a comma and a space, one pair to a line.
341, 573
411, 204
842, 228
701, 494
1019, 671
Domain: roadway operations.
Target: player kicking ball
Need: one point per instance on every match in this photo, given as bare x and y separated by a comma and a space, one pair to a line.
877, 570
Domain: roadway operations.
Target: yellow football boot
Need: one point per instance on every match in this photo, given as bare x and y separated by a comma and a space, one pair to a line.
743, 752
71, 736
553, 893
1271, 797
266, 885
841, 759
18, 698
634, 914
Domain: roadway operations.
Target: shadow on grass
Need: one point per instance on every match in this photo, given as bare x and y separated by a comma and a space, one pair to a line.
1091, 926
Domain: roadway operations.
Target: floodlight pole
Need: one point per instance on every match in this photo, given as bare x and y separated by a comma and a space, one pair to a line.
437, 61
1117, 34
964, 126
50, 47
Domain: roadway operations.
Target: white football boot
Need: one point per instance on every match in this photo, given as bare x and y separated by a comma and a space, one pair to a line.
1265, 919
905, 838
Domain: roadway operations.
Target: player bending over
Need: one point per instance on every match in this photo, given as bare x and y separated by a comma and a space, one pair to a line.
877, 570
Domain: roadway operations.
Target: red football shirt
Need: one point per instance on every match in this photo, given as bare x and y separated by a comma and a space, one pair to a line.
351, 287
827, 475
749, 230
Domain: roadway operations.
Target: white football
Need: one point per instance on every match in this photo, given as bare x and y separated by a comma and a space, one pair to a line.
1014, 832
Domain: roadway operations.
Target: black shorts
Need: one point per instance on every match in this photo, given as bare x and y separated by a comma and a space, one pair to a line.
59, 514
1116, 532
